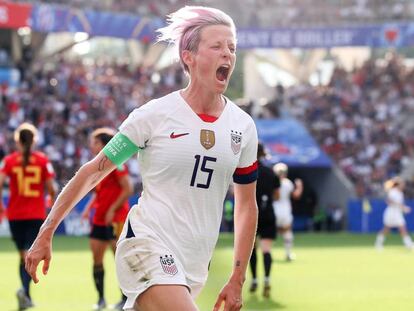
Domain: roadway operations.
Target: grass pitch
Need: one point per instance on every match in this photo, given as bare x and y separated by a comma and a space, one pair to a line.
332, 272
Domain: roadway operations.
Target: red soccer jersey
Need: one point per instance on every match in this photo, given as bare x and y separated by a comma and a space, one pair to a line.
107, 191
27, 185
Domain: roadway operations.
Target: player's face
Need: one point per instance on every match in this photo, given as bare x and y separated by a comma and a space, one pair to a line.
95, 145
214, 61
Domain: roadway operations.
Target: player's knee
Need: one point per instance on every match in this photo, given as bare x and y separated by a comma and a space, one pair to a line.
288, 235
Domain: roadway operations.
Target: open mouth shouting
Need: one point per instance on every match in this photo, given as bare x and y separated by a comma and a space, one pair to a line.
222, 73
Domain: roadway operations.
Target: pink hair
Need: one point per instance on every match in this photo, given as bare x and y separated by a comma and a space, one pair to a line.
185, 25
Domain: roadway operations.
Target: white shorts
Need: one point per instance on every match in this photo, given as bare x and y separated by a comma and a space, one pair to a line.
144, 261
283, 218
393, 217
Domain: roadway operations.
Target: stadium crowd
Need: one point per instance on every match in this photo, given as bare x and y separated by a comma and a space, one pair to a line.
66, 101
288, 13
361, 119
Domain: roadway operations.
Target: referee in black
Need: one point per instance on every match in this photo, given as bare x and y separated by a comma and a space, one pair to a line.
266, 191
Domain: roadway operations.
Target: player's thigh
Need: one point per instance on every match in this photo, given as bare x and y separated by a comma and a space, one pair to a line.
24, 232
165, 298
100, 238
403, 230
98, 248
284, 220
143, 262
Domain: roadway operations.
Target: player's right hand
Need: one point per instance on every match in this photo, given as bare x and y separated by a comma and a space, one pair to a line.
41, 249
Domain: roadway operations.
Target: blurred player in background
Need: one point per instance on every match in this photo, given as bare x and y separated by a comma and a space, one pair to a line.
394, 213
191, 144
267, 190
110, 200
29, 173
283, 206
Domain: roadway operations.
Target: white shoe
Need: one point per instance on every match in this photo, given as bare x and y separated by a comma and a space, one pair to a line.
290, 257
23, 300
100, 305
379, 247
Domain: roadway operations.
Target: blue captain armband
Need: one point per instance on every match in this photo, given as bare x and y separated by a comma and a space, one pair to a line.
119, 149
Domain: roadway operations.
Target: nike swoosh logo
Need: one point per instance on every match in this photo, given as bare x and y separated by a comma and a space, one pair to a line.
173, 136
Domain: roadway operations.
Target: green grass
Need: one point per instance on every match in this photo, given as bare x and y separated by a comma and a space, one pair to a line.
332, 272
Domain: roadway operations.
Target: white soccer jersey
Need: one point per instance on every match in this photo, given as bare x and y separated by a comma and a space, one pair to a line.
186, 166
393, 215
285, 191
395, 198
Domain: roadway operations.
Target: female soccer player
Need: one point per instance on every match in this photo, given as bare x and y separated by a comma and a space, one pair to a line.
393, 214
191, 143
267, 190
110, 201
29, 173
283, 206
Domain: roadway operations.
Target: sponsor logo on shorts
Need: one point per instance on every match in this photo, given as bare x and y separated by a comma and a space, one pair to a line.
168, 264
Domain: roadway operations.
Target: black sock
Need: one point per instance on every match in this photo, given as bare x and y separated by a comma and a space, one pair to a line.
267, 259
98, 277
253, 263
124, 298
25, 278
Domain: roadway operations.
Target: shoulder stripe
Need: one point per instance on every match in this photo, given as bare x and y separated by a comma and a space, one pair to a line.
246, 170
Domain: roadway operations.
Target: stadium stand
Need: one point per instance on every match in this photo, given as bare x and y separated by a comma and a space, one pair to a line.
256, 12
66, 100
360, 120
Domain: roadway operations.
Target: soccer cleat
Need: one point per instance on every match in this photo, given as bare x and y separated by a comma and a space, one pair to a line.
100, 305
23, 300
266, 291
379, 247
290, 257
253, 287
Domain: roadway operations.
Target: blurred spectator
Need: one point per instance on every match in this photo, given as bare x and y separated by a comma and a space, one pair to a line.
362, 120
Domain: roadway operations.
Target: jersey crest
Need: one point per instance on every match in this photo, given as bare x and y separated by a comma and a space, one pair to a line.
168, 264
207, 139
236, 139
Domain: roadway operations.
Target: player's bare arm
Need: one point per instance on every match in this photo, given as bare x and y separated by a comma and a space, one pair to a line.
88, 176
297, 193
2, 179
245, 224
51, 189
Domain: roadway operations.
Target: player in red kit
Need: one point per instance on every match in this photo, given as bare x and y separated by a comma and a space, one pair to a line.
29, 173
110, 201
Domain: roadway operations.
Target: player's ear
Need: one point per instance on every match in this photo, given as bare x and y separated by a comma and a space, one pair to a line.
187, 57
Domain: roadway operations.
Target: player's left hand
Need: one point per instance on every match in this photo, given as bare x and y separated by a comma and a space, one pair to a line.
231, 295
